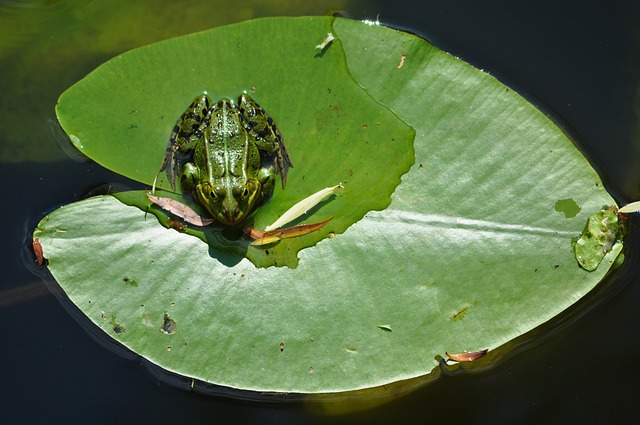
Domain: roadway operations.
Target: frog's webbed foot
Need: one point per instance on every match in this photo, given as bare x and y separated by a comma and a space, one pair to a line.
172, 163
281, 161
177, 154
186, 133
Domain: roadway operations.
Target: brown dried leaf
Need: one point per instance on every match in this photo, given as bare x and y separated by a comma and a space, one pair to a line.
181, 210
264, 238
37, 249
176, 225
253, 233
467, 356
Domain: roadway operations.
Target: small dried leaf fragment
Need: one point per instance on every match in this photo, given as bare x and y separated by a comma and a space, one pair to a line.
326, 41
37, 250
264, 238
176, 225
181, 210
402, 59
467, 356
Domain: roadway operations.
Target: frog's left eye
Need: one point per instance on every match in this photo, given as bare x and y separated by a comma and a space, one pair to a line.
241, 191
218, 192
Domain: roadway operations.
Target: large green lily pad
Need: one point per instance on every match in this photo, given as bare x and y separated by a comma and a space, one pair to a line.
470, 253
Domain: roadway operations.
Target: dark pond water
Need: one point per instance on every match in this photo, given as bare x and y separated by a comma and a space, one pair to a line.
579, 62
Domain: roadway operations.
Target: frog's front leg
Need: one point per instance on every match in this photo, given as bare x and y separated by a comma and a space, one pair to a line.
266, 135
189, 177
267, 179
186, 133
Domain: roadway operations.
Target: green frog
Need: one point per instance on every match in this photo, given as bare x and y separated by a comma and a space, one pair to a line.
226, 156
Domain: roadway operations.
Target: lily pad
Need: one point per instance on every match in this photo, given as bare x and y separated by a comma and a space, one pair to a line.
470, 254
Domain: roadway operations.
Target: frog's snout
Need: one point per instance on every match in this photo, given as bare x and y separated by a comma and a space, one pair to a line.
233, 215
231, 210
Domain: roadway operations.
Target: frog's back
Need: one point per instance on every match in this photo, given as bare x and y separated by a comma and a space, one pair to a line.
227, 143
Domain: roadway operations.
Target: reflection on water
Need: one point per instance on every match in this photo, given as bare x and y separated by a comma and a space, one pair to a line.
20, 19
46, 46
23, 294
26, 4
34, 4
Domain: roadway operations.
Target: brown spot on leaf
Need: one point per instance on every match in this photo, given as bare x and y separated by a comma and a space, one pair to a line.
467, 356
37, 250
460, 314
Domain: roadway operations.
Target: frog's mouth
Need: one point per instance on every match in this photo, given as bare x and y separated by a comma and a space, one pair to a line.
231, 211
228, 207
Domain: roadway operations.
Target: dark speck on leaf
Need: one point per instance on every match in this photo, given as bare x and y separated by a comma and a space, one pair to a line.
169, 326
117, 327
129, 282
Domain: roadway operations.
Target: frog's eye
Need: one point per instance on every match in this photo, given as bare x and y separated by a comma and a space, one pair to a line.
218, 192
241, 191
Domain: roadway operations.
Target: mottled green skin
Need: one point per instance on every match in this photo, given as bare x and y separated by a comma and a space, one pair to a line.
227, 156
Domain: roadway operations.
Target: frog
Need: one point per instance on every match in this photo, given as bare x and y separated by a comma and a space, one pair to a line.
226, 155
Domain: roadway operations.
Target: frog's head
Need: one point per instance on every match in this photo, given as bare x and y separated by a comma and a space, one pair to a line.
229, 204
